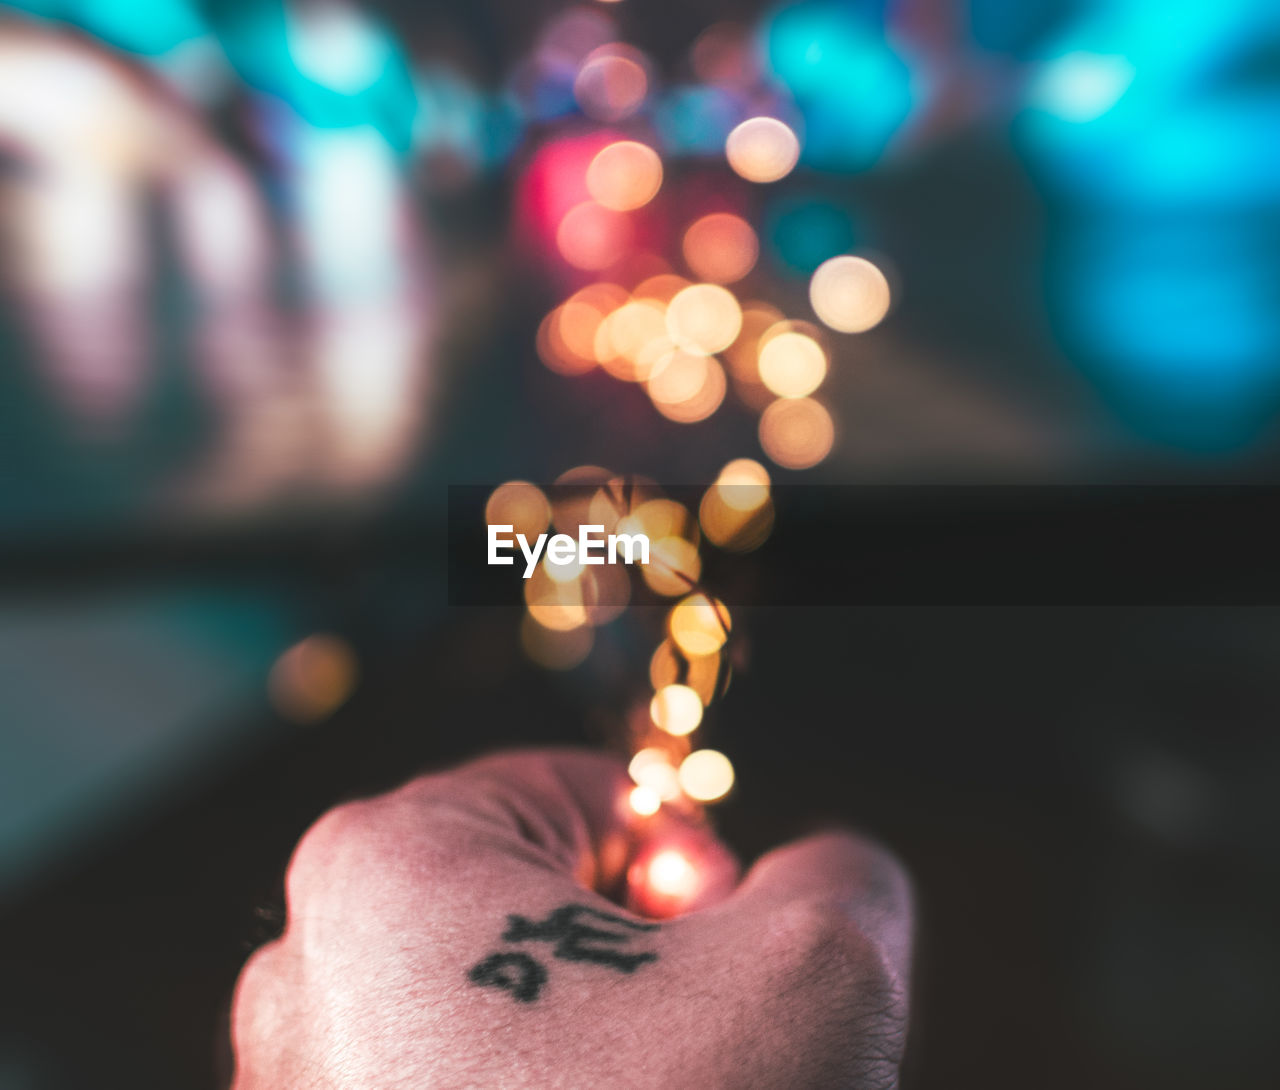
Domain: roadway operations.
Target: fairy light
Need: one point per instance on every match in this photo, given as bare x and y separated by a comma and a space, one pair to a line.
652, 769
685, 387
670, 873
312, 678
628, 341
674, 566
762, 149
645, 801
624, 175
706, 675
704, 318
593, 237
706, 775
676, 709
699, 624
720, 247
792, 364
611, 84
521, 505
796, 433
682, 340
849, 294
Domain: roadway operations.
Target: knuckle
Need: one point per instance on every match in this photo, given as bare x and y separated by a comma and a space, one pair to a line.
330, 846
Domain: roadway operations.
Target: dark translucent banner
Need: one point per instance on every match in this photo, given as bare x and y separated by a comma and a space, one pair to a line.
848, 546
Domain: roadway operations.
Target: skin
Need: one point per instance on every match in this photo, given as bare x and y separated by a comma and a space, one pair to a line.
451, 934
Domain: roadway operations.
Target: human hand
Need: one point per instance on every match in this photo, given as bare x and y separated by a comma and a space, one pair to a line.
453, 933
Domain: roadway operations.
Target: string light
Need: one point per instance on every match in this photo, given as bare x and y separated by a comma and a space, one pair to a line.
796, 433
645, 801
792, 364
677, 709
762, 149
682, 342
699, 624
849, 294
706, 775
720, 247
704, 318
625, 175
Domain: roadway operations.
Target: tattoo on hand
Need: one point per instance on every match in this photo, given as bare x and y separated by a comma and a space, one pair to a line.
576, 932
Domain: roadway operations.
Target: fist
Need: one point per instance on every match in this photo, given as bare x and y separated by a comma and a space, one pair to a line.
456, 933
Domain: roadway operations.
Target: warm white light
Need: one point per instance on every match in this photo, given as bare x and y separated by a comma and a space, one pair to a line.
706, 775
645, 801
849, 294
670, 873
762, 149
677, 709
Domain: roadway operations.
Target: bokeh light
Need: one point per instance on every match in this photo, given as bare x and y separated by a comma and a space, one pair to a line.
560, 606
796, 433
685, 387
660, 288
624, 175
762, 149
706, 675
674, 566
792, 364
706, 775
312, 678
593, 237
699, 625
652, 768
704, 318
644, 801
629, 341
721, 248
520, 505
676, 709
612, 82
849, 294
670, 874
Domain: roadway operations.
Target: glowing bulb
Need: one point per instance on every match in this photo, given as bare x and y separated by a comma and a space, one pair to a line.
699, 625
796, 433
762, 149
677, 709
792, 364
704, 318
312, 678
611, 84
706, 775
745, 484
721, 248
671, 874
520, 505
624, 175
644, 800
849, 294
651, 768
593, 237
674, 566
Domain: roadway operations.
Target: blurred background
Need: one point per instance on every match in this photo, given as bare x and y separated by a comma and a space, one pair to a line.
275, 275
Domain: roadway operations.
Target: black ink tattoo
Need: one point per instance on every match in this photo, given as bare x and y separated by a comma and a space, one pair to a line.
515, 971
575, 939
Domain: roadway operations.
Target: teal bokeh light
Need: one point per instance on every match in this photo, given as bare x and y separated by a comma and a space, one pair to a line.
853, 90
804, 230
